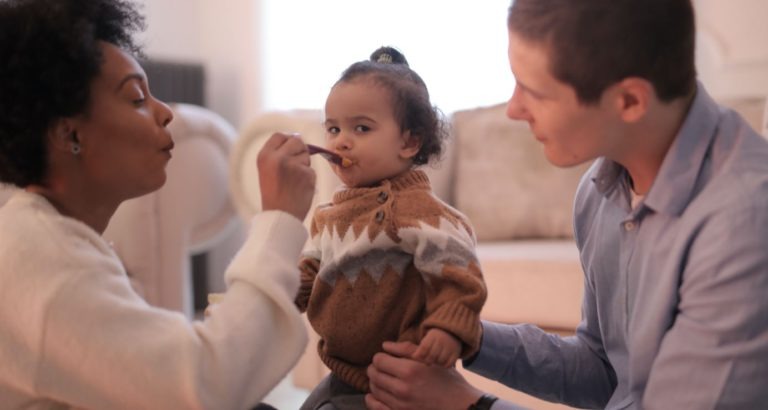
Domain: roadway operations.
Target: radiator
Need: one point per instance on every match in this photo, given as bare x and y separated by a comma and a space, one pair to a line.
176, 82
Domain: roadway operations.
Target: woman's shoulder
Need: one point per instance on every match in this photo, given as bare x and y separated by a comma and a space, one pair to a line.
38, 237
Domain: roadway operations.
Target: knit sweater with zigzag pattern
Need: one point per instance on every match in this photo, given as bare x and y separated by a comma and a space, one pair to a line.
388, 263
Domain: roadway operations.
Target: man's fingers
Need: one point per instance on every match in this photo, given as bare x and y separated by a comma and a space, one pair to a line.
421, 353
374, 404
400, 349
387, 372
384, 388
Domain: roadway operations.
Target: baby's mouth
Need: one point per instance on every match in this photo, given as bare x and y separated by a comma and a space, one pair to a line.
347, 162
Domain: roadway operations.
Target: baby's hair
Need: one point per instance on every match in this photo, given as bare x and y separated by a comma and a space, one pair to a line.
413, 110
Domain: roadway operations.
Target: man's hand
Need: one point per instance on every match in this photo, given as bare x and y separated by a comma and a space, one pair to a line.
438, 347
399, 382
287, 182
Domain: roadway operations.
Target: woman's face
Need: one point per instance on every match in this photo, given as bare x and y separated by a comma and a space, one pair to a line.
124, 142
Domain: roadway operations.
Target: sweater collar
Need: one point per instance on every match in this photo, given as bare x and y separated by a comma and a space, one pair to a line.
411, 179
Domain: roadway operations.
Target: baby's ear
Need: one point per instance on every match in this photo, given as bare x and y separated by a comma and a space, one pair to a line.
411, 144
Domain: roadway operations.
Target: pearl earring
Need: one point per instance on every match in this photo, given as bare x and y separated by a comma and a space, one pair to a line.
75, 148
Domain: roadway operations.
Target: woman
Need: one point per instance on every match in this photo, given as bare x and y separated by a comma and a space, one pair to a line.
80, 133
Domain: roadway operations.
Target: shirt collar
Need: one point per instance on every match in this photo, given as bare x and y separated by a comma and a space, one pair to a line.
673, 187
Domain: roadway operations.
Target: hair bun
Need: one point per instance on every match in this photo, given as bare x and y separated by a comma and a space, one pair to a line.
388, 55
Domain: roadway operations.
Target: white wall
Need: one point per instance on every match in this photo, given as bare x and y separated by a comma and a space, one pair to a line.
732, 57
225, 39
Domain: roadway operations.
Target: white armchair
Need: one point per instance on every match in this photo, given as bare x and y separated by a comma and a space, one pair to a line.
156, 234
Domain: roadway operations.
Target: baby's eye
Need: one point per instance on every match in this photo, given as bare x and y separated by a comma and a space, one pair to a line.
333, 130
362, 128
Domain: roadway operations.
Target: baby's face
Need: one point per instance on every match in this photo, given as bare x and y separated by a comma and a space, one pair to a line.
361, 126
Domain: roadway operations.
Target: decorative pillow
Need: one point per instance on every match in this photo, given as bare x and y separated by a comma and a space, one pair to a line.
504, 183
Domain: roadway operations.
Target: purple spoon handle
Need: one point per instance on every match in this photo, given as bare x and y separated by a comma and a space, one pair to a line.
329, 155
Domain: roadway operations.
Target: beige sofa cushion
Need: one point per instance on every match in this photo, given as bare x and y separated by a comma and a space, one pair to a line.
503, 181
538, 282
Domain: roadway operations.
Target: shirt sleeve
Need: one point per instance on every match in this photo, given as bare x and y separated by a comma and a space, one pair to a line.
104, 347
715, 355
560, 369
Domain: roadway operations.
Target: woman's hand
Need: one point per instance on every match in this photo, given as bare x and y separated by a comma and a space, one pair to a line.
287, 182
399, 382
438, 347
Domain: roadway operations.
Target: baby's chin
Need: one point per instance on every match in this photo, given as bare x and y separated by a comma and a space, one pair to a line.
351, 182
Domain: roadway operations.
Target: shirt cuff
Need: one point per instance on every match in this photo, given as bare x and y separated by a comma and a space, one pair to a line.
487, 362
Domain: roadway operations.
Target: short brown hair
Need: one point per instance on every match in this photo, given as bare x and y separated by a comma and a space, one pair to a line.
593, 44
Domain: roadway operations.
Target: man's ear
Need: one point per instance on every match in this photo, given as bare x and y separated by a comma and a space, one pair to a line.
633, 98
411, 144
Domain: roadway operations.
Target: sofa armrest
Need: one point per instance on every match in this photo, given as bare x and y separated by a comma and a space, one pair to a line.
155, 235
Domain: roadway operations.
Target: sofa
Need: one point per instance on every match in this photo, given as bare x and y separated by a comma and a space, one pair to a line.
520, 206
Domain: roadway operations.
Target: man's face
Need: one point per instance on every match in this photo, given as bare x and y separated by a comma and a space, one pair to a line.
571, 133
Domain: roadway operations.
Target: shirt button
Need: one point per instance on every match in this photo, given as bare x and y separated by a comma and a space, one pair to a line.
379, 216
383, 196
628, 226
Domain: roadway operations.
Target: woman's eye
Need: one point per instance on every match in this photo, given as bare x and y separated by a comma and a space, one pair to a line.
138, 98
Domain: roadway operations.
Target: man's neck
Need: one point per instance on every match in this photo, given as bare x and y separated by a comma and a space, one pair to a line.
650, 141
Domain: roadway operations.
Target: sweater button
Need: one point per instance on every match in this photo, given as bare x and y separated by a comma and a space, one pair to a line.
383, 196
379, 216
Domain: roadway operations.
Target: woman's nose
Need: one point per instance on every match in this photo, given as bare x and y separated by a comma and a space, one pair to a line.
163, 113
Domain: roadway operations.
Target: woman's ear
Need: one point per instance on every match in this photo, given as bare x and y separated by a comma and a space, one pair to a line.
63, 136
411, 144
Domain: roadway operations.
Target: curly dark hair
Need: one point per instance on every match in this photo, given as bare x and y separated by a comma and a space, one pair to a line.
50, 53
413, 110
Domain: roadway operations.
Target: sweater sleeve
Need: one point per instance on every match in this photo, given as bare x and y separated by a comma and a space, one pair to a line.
455, 290
308, 266
104, 347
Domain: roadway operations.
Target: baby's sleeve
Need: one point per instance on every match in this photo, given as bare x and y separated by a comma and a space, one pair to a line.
455, 290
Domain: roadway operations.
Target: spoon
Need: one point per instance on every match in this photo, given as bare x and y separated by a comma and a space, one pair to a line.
331, 156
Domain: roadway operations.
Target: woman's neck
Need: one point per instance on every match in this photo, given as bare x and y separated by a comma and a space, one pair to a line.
77, 204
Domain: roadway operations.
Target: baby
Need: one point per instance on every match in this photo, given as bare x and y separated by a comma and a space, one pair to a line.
388, 260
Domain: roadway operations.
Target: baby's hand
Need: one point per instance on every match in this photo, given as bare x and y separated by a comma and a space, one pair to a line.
438, 347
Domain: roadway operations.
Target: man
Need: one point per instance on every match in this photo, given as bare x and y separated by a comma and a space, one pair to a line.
671, 222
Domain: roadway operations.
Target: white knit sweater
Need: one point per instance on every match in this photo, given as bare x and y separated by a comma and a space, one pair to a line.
74, 334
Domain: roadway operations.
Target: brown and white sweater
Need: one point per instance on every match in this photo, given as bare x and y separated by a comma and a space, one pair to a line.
388, 263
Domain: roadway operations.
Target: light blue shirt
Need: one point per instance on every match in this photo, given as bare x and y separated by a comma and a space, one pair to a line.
675, 309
